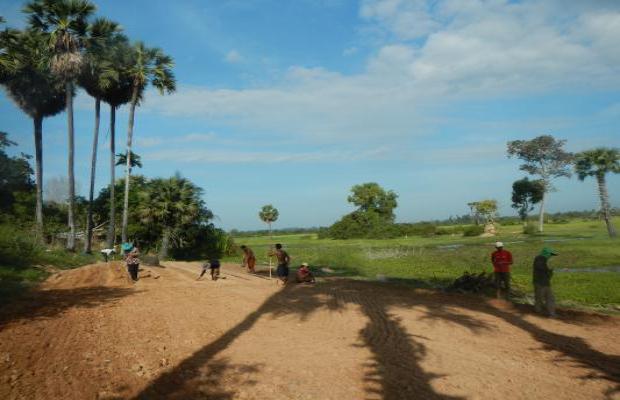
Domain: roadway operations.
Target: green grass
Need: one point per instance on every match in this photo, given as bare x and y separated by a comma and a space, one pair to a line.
581, 244
23, 258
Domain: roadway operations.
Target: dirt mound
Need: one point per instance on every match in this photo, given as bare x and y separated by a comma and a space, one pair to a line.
90, 334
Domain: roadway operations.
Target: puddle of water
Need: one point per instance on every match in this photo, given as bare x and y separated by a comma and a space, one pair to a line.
450, 246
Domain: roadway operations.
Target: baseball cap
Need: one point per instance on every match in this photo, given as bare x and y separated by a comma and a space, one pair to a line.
304, 264
546, 251
499, 244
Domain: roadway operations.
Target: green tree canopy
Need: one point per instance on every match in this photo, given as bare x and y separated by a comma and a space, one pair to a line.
598, 163
268, 214
15, 175
525, 194
543, 156
372, 197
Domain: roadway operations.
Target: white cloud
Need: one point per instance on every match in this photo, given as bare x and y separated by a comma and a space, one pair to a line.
407, 19
149, 141
233, 57
473, 49
350, 51
264, 157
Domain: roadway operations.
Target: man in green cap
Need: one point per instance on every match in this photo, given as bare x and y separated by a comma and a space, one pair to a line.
544, 300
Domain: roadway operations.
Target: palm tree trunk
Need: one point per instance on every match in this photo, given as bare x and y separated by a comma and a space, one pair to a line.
111, 233
541, 213
132, 111
71, 238
38, 145
165, 242
93, 166
604, 196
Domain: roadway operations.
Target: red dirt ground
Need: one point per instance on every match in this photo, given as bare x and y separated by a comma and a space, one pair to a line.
89, 334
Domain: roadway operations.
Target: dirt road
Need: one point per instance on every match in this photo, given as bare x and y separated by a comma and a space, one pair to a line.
89, 334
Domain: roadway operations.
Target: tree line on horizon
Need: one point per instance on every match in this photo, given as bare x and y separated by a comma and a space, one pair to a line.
65, 47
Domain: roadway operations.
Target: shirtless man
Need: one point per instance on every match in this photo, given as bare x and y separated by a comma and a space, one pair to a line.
283, 260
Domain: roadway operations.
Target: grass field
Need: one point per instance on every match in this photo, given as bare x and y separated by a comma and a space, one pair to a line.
438, 260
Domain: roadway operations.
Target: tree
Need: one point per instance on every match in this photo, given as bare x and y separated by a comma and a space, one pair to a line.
149, 66
15, 176
269, 214
172, 203
543, 156
598, 163
119, 53
486, 209
96, 76
64, 23
525, 194
372, 197
134, 160
25, 74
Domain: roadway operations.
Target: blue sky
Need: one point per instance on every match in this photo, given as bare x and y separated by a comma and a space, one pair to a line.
291, 103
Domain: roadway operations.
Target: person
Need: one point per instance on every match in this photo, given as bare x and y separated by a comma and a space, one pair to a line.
304, 275
213, 265
283, 260
106, 253
249, 259
502, 260
133, 261
544, 301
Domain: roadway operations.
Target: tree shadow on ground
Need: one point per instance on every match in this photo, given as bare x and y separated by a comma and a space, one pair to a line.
573, 350
36, 303
393, 372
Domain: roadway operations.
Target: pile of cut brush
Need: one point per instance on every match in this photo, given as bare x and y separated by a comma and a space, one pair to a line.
472, 283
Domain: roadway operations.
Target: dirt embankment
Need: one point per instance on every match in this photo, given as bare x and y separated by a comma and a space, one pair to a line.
89, 334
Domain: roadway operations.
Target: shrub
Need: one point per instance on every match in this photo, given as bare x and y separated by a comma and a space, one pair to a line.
473, 230
358, 224
17, 248
530, 230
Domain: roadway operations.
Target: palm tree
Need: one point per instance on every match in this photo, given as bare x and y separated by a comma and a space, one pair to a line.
97, 76
25, 74
149, 66
598, 163
115, 96
172, 203
268, 214
134, 160
65, 24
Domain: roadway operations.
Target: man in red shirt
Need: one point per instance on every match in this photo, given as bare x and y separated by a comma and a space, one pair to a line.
502, 260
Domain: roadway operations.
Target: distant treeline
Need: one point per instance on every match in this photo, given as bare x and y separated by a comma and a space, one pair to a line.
460, 224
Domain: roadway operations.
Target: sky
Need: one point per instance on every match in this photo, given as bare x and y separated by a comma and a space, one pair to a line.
292, 103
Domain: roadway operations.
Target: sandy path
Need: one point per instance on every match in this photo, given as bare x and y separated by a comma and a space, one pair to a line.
88, 334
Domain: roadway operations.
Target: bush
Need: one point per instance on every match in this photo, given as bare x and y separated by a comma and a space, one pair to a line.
368, 225
18, 248
530, 230
473, 230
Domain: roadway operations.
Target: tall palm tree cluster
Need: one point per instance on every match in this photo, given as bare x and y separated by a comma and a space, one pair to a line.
63, 48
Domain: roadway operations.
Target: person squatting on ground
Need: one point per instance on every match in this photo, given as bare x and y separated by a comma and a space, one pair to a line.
502, 260
283, 260
249, 260
132, 260
214, 266
304, 275
107, 253
544, 301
